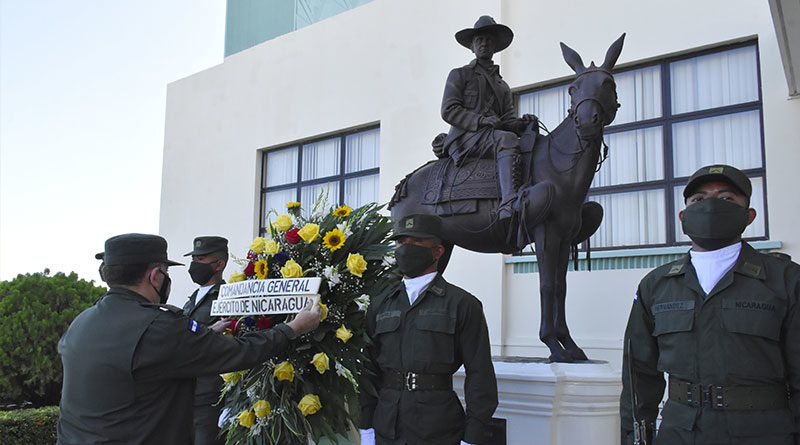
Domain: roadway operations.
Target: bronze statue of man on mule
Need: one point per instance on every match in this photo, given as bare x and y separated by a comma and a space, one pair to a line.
499, 185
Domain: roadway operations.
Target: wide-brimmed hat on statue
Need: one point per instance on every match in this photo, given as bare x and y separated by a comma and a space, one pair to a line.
501, 34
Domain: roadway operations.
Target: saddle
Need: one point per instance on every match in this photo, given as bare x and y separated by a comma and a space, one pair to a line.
455, 190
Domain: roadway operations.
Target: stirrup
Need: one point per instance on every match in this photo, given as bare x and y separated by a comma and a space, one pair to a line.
506, 209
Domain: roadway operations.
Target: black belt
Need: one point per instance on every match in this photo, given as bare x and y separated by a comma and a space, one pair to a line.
728, 397
411, 381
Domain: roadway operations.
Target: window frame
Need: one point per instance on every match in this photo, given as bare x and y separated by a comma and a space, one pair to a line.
666, 122
341, 177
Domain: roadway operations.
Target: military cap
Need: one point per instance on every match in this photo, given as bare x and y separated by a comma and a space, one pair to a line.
719, 172
136, 248
203, 245
418, 226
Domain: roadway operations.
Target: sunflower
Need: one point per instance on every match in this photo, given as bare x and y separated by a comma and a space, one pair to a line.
261, 269
342, 211
292, 205
333, 239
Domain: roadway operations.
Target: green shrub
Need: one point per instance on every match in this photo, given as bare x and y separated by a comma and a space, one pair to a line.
35, 310
29, 426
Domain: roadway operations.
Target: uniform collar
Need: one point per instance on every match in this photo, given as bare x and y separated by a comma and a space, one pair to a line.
748, 264
436, 287
127, 294
491, 69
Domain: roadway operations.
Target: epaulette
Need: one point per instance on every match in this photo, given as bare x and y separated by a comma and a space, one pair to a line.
165, 307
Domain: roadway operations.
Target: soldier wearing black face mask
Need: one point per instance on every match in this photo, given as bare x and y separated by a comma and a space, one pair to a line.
209, 258
130, 361
422, 332
724, 323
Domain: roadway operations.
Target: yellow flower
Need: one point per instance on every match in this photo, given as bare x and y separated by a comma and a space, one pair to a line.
291, 270
344, 334
258, 245
261, 269
342, 211
356, 264
309, 404
231, 377
262, 408
333, 240
324, 314
247, 418
321, 362
236, 277
309, 232
271, 247
284, 371
282, 223
292, 205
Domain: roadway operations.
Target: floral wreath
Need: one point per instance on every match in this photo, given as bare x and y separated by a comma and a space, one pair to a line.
311, 390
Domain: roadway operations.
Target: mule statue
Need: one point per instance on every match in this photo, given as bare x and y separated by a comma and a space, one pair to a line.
551, 208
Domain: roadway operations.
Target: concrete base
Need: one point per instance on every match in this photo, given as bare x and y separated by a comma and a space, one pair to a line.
556, 403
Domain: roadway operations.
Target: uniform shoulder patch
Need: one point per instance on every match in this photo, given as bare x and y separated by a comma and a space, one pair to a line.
437, 290
751, 269
675, 269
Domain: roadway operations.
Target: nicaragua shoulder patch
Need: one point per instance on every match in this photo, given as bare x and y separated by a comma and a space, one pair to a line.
193, 325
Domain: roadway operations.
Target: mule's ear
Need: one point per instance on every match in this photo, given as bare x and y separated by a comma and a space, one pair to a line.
613, 53
572, 58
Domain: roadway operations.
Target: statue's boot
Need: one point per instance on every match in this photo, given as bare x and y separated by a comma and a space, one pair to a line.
509, 175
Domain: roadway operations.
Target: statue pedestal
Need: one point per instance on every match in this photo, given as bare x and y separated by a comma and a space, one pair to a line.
555, 403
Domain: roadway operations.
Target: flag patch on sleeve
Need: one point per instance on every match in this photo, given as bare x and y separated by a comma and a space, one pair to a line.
193, 326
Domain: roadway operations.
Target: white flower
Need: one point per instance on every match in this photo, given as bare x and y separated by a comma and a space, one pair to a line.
363, 302
345, 228
331, 274
344, 372
388, 260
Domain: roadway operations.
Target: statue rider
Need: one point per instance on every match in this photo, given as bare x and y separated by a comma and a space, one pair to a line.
478, 105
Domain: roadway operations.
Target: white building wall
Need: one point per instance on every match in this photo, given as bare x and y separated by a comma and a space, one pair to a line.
386, 62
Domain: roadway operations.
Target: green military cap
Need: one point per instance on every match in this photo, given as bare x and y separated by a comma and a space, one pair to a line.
719, 172
418, 226
136, 248
203, 245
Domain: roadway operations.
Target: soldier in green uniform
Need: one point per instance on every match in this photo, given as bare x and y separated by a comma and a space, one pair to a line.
423, 331
130, 361
723, 323
209, 258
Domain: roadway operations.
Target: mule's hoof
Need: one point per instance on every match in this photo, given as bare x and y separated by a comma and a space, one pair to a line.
577, 354
561, 356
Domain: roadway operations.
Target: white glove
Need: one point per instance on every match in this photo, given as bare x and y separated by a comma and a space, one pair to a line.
367, 436
465, 443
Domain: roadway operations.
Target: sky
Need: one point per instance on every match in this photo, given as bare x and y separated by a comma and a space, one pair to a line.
82, 101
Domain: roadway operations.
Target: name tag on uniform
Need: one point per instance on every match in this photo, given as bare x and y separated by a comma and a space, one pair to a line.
672, 306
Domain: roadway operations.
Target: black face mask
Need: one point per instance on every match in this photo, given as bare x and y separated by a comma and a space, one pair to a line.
201, 272
412, 259
163, 292
714, 223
